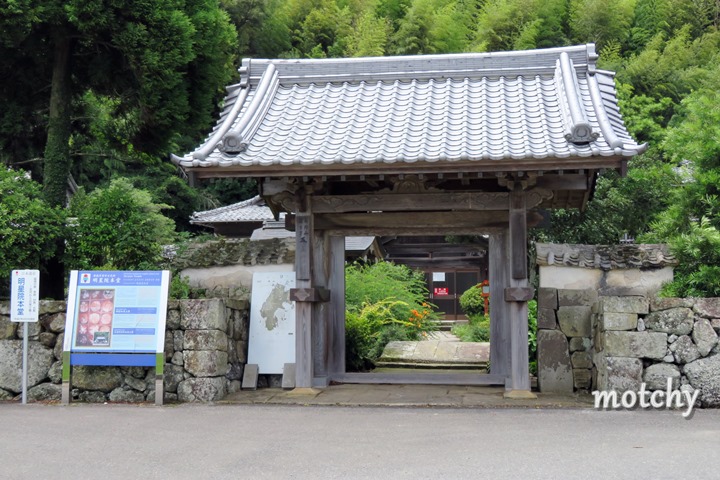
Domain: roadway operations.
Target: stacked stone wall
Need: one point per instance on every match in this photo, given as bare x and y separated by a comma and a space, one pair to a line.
566, 318
663, 338
205, 353
602, 326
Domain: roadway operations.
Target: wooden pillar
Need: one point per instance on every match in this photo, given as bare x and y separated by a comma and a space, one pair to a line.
336, 314
303, 280
517, 296
499, 311
321, 310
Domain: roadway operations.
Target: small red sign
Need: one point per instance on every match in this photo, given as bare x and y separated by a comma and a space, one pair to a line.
441, 291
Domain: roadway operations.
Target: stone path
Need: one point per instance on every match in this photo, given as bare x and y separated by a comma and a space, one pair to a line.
440, 350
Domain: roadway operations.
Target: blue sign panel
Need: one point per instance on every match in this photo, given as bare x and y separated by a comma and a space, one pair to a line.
117, 311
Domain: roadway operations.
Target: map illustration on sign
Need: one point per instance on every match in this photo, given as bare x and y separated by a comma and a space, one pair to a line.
274, 309
272, 321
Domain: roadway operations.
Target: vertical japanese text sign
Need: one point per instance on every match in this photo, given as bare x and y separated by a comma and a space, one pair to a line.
25, 296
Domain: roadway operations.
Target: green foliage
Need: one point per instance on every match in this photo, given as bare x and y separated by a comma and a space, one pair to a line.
369, 36
520, 24
698, 254
621, 205
180, 288
118, 227
29, 227
476, 330
472, 302
374, 283
532, 336
600, 21
691, 223
368, 330
384, 302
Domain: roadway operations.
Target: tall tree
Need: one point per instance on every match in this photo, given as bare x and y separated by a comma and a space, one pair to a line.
164, 60
601, 21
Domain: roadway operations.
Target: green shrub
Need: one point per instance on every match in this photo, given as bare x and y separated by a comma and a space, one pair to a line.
385, 302
476, 330
29, 226
698, 254
532, 336
118, 227
370, 329
373, 283
472, 301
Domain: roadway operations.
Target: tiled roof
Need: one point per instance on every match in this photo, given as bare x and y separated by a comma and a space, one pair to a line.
546, 104
252, 210
605, 257
358, 244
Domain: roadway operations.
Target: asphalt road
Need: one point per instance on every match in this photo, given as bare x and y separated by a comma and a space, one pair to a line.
104, 442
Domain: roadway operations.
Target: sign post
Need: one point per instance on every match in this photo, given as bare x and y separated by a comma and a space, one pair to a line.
25, 307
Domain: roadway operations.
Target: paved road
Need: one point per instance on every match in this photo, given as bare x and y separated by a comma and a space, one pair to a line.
252, 442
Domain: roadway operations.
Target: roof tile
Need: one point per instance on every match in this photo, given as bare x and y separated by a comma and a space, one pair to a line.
446, 108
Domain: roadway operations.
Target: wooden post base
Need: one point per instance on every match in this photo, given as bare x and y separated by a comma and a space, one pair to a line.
520, 395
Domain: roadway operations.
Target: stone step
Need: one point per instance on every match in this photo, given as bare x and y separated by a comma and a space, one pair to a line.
481, 366
446, 325
436, 354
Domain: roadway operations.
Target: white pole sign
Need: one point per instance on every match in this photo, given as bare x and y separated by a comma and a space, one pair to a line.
25, 307
25, 296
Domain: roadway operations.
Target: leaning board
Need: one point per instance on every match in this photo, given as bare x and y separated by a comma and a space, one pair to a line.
272, 322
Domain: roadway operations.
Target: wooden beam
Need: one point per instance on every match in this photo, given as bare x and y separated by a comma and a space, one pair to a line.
477, 220
416, 168
303, 279
336, 314
518, 319
563, 182
469, 262
518, 235
409, 231
320, 309
499, 322
419, 224
316, 294
411, 202
517, 294
454, 250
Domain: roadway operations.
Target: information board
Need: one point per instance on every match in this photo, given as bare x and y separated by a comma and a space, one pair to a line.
25, 295
117, 311
272, 321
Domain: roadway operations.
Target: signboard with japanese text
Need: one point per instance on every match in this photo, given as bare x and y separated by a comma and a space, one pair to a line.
25, 295
117, 311
440, 291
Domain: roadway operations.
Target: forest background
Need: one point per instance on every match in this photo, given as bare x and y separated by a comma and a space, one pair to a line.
94, 95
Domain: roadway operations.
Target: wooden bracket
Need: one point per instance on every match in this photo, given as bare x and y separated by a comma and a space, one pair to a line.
519, 294
317, 294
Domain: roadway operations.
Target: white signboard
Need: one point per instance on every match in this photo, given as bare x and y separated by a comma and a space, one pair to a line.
117, 311
25, 296
438, 276
272, 321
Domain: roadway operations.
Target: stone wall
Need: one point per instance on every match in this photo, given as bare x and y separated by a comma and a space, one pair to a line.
224, 267
641, 339
205, 352
601, 325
